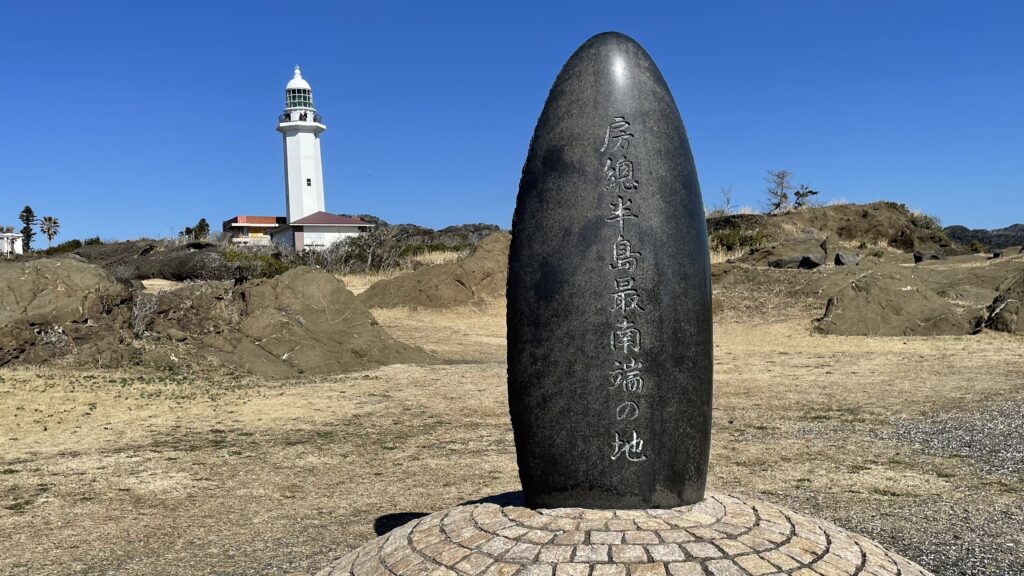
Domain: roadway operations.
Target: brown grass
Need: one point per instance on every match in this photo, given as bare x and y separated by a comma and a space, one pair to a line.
358, 283
433, 257
720, 255
141, 472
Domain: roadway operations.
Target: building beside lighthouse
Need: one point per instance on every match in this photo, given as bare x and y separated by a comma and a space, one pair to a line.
307, 224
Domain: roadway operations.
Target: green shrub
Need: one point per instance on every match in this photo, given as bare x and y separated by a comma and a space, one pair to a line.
926, 221
63, 247
735, 239
976, 247
257, 265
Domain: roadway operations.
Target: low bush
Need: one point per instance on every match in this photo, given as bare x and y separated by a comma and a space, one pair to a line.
732, 239
926, 221
257, 261
63, 247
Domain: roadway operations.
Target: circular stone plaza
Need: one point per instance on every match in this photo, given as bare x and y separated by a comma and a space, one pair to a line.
720, 536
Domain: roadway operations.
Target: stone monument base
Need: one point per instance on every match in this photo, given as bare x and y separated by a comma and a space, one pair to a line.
721, 536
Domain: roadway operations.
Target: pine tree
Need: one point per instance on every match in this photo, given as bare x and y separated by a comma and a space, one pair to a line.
202, 229
28, 218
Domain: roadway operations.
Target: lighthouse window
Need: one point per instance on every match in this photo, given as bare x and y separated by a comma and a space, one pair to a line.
299, 97
309, 181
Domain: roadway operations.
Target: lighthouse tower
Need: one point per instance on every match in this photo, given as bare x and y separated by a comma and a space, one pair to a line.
303, 172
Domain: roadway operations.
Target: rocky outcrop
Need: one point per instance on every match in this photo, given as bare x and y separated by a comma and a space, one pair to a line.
1006, 312
891, 301
481, 275
302, 322
145, 259
51, 308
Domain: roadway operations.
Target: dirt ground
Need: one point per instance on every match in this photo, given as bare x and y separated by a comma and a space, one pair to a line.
149, 472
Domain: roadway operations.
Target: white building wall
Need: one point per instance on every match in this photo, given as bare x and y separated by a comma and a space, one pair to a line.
10, 244
323, 236
302, 163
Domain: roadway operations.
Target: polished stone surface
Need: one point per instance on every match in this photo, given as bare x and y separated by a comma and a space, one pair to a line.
609, 293
721, 536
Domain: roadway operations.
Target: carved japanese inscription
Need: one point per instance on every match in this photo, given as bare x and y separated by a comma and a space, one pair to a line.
625, 336
609, 295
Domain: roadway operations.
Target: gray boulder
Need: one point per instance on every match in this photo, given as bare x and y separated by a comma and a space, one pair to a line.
920, 256
844, 259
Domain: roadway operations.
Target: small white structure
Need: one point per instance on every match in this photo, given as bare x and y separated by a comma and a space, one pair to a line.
10, 244
307, 225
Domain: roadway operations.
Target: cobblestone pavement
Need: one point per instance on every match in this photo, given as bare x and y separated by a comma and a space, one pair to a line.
721, 536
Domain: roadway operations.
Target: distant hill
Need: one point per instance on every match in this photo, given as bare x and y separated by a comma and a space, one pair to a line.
998, 238
886, 223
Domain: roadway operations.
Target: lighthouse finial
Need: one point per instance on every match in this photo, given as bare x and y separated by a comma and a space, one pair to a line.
298, 73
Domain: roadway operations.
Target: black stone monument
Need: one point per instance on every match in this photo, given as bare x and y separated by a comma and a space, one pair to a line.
609, 293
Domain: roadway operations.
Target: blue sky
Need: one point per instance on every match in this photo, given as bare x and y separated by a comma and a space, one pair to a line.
138, 118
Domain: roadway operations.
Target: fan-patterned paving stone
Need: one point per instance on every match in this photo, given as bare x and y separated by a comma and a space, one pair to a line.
721, 536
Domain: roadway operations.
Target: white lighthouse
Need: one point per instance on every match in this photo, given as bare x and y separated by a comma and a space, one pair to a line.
307, 225
303, 171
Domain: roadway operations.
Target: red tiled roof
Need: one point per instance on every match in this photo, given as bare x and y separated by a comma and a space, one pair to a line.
258, 219
255, 221
328, 219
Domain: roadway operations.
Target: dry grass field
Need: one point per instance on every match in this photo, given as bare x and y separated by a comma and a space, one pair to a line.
147, 472
359, 282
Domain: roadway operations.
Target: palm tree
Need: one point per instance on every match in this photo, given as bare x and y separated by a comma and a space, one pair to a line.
50, 226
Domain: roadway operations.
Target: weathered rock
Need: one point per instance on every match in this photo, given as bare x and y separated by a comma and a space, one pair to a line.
811, 261
845, 259
920, 256
609, 296
788, 255
144, 259
53, 307
891, 301
1006, 312
302, 322
481, 275
789, 262
805, 262
906, 240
